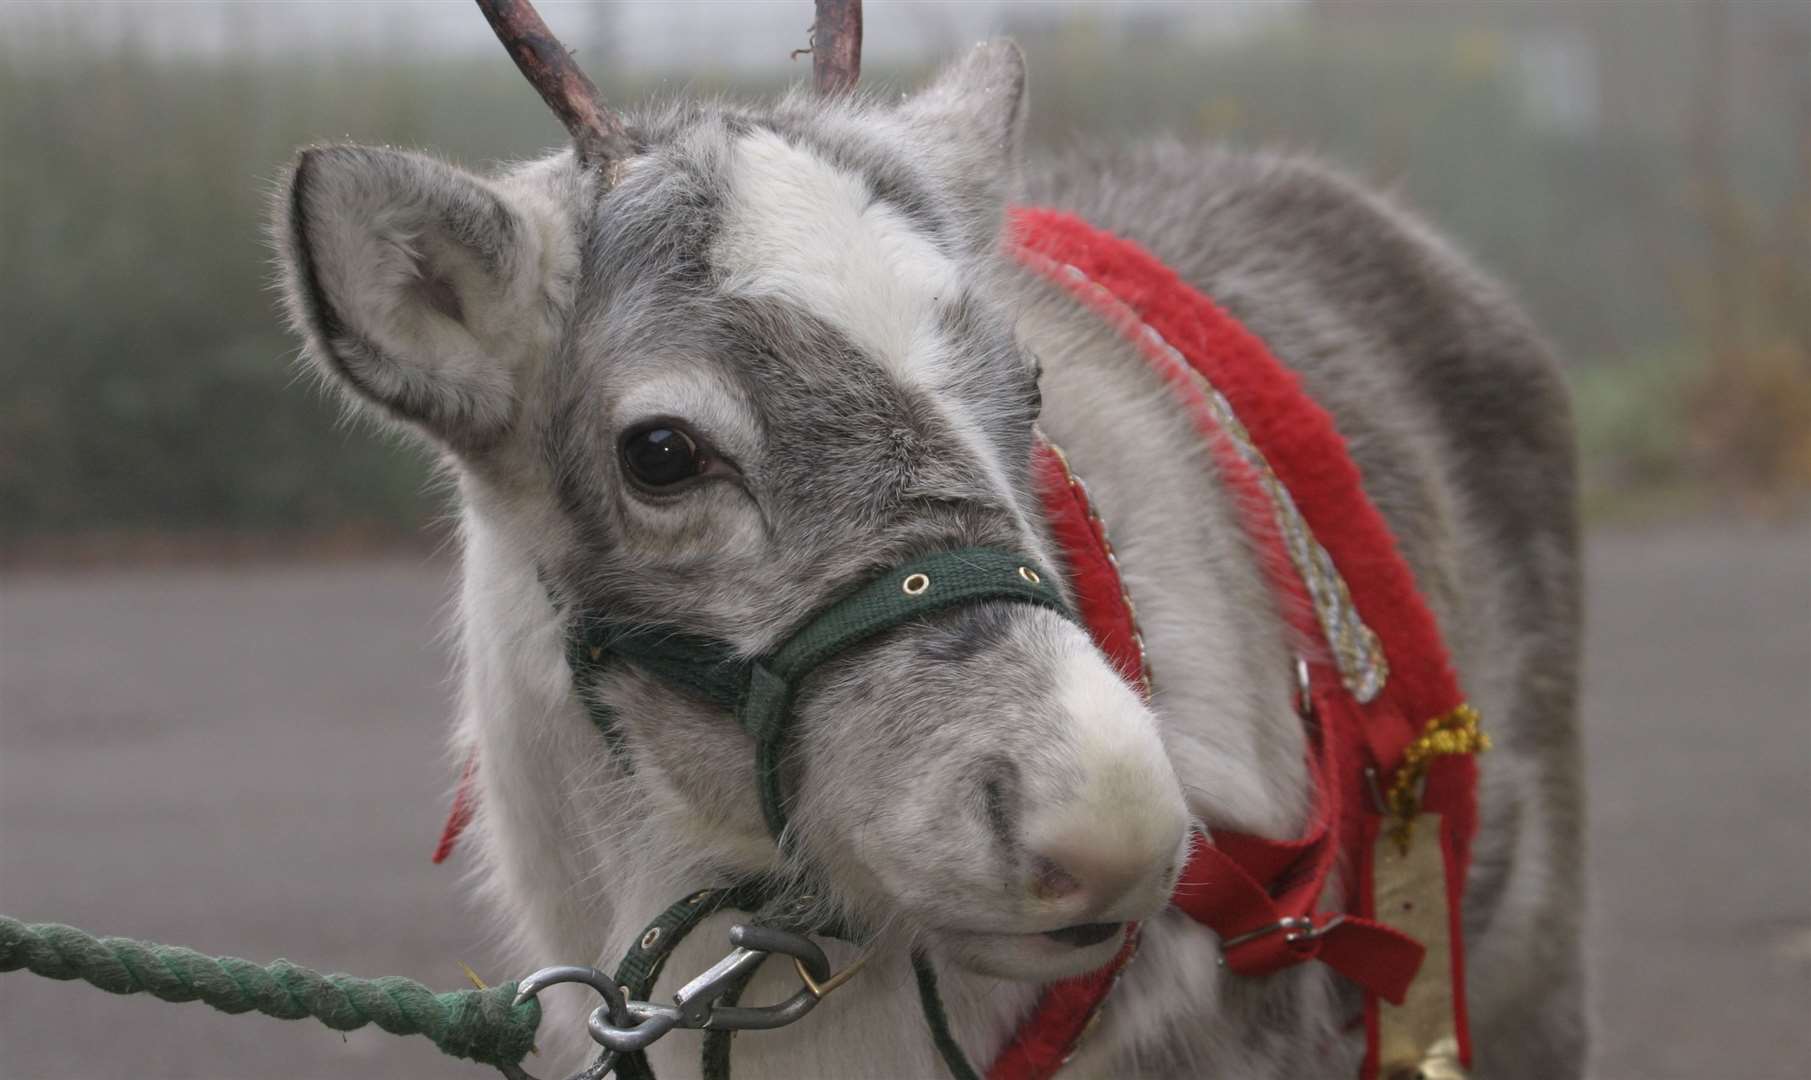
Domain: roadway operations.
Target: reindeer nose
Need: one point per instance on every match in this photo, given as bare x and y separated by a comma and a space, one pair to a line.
1101, 818
1097, 871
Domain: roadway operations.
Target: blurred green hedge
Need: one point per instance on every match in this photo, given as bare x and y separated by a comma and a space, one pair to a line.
149, 385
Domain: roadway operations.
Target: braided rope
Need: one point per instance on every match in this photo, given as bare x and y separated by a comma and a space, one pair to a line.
481, 1025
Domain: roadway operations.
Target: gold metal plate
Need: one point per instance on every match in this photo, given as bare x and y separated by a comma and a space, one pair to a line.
1416, 1038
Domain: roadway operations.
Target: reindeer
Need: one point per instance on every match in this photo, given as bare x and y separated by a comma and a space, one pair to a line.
716, 364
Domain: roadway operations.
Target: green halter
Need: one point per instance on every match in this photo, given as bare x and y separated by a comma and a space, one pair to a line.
761, 690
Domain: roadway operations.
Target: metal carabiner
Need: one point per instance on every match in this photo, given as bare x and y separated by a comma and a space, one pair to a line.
697, 1006
623, 1026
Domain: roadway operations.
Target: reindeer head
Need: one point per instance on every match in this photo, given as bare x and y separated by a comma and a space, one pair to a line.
711, 369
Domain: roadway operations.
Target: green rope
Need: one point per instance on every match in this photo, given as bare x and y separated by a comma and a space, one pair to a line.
481, 1025
941, 1035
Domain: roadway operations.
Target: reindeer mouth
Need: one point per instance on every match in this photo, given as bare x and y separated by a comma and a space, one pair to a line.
1085, 934
1040, 956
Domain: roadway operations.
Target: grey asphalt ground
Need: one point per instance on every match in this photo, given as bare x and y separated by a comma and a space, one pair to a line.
249, 761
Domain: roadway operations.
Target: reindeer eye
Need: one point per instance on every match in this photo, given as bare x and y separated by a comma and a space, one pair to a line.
661, 455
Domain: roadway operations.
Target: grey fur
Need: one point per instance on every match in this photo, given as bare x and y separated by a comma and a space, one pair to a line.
926, 761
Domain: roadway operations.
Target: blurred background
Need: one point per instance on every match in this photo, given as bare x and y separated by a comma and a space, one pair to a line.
222, 700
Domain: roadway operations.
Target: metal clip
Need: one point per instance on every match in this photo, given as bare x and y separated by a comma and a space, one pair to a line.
624, 1026
1304, 690
1295, 929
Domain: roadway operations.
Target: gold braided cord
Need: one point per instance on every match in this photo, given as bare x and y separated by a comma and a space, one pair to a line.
1458, 732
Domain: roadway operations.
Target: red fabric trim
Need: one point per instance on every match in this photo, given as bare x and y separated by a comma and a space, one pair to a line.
1044, 1041
1376, 956
1371, 828
1093, 575
1220, 893
1452, 846
1240, 884
465, 799
1297, 436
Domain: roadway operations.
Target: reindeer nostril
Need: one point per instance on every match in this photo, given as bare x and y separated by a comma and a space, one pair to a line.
1051, 882
1092, 874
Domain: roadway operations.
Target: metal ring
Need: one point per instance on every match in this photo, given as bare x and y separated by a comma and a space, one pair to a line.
1030, 575
615, 1004
648, 939
915, 584
615, 997
1304, 690
648, 1023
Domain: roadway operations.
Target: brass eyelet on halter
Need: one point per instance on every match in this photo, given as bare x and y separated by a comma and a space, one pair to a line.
915, 585
1031, 576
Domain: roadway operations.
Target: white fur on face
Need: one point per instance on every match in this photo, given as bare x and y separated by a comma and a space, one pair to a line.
798, 229
1119, 791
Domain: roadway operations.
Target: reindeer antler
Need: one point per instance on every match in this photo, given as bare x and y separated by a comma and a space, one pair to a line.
599, 132
836, 46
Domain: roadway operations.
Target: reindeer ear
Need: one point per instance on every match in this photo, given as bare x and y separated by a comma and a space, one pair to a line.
418, 287
973, 114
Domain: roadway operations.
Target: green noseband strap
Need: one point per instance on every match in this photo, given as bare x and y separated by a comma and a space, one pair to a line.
935, 583
761, 690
